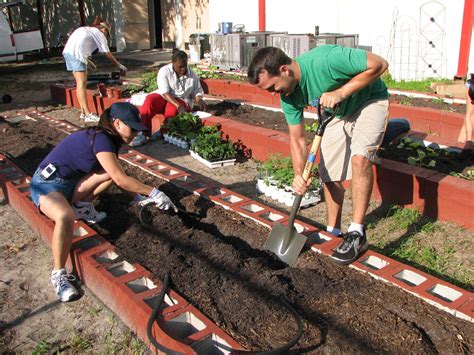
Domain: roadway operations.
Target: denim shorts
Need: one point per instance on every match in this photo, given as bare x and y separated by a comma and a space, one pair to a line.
40, 187
74, 64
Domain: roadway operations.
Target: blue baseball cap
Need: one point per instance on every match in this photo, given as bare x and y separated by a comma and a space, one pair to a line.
128, 114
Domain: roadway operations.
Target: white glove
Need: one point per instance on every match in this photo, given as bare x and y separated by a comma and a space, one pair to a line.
159, 198
123, 67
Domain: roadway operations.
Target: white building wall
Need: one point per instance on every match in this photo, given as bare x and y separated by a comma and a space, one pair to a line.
243, 12
398, 30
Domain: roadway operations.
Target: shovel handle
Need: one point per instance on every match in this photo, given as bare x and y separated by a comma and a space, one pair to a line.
306, 173
311, 157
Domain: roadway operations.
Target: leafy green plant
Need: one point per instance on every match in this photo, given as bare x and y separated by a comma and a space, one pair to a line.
210, 73
133, 89
408, 143
468, 175
421, 156
313, 127
185, 125
407, 101
279, 170
422, 159
149, 81
210, 145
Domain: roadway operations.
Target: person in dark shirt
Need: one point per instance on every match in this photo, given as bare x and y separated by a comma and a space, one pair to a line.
76, 172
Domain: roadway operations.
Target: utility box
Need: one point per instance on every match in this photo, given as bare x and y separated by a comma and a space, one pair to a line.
344, 40
293, 44
234, 51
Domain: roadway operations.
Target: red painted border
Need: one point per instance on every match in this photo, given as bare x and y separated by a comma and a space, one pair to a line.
113, 291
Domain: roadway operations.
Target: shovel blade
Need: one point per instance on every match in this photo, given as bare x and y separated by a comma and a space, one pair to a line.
285, 242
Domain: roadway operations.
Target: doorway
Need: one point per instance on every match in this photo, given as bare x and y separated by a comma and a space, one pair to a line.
158, 25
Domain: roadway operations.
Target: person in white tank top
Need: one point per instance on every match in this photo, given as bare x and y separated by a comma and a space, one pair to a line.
80, 45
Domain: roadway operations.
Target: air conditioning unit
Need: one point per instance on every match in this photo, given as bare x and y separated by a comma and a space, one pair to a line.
268, 36
300, 44
281, 41
344, 40
294, 44
234, 51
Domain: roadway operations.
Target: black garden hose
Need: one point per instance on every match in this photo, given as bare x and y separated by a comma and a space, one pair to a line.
281, 350
152, 318
286, 347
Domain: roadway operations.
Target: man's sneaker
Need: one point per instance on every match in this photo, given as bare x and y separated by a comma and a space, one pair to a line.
352, 245
87, 212
82, 116
91, 117
61, 280
138, 141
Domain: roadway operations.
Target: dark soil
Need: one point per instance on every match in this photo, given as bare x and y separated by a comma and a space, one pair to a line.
217, 263
250, 115
436, 104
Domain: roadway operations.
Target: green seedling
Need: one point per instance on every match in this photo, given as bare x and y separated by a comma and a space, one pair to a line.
407, 101
313, 127
149, 82
468, 175
409, 143
184, 125
280, 170
210, 73
210, 145
422, 159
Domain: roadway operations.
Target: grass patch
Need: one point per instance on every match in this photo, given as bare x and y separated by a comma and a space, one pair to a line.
416, 250
403, 218
79, 344
42, 347
415, 85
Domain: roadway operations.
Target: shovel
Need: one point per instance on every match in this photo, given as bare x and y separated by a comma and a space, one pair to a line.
285, 241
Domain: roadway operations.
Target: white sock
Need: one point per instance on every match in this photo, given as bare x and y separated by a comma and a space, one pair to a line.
356, 227
333, 230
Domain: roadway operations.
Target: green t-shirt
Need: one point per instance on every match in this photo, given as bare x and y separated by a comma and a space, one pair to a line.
327, 68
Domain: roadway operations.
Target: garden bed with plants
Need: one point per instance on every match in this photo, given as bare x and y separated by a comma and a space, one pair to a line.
448, 162
455, 163
215, 261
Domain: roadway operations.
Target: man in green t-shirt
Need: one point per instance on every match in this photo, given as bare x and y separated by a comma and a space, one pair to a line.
349, 78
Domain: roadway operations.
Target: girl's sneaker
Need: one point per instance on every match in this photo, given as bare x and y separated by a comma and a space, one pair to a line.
61, 280
91, 117
87, 212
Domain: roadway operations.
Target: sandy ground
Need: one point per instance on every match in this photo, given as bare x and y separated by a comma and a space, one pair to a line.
30, 316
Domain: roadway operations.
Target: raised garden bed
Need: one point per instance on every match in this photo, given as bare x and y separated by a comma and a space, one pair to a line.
215, 263
428, 119
436, 195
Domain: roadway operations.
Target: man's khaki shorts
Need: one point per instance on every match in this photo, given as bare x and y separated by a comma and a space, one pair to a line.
358, 134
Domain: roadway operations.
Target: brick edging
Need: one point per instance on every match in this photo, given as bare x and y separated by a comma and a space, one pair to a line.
117, 295
324, 242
